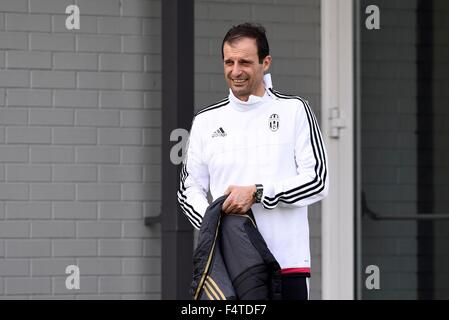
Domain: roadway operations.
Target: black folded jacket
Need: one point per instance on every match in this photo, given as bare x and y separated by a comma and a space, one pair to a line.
232, 260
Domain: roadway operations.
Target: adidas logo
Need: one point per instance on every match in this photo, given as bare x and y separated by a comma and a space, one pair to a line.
219, 133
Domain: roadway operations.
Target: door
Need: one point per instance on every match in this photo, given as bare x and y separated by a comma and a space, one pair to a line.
402, 143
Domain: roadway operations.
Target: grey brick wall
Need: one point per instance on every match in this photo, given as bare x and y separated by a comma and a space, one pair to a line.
80, 134
293, 30
80, 154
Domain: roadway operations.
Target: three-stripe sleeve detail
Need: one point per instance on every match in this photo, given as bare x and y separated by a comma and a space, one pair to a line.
318, 183
187, 208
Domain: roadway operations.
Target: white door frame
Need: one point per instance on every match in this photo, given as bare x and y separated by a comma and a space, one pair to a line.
337, 102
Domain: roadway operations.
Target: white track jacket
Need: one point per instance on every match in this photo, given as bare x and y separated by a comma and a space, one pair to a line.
273, 140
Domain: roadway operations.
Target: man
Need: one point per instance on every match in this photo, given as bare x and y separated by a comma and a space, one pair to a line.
262, 148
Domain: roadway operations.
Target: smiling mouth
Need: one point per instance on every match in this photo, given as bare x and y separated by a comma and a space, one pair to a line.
238, 81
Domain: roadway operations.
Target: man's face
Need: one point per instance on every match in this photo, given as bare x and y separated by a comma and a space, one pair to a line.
242, 70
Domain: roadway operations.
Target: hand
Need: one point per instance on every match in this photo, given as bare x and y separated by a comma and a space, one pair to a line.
239, 200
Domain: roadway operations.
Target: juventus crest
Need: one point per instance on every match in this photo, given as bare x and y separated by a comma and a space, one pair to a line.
274, 122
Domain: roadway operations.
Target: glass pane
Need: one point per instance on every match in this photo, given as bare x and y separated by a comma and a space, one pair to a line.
404, 111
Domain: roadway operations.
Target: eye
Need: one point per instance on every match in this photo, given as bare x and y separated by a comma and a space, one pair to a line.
228, 63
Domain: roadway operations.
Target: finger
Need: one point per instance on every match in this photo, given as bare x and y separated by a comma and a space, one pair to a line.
225, 205
229, 189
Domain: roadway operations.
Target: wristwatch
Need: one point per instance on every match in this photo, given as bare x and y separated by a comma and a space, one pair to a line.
258, 193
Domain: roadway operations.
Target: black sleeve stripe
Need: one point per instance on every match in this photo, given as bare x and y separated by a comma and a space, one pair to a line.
317, 184
287, 196
219, 104
193, 216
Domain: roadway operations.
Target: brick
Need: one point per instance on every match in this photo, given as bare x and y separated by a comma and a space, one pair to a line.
122, 25
53, 117
74, 135
98, 118
98, 191
138, 191
121, 62
87, 285
50, 267
152, 284
27, 285
13, 40
29, 97
153, 63
15, 229
69, 98
98, 155
13, 153
141, 8
139, 266
141, 155
120, 210
28, 135
151, 208
233, 12
153, 100
75, 61
52, 191
99, 80
72, 173
14, 267
27, 22
52, 79
13, 191
13, 117
136, 229
14, 5
52, 154
99, 7
2, 212
49, 6
142, 81
139, 44
274, 13
53, 229
28, 248
153, 26
137, 118
75, 248
88, 24
28, 210
14, 78
99, 297
119, 136
2, 93
28, 60
120, 173
152, 247
74, 210
152, 173
26, 173
99, 266
98, 43
152, 137
123, 284
120, 247
121, 99
52, 42
99, 229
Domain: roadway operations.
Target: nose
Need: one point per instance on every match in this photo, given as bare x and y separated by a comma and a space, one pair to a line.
236, 71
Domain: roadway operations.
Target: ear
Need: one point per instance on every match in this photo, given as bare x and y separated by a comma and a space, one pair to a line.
266, 63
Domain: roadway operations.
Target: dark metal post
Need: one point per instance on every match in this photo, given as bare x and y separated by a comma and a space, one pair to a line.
177, 112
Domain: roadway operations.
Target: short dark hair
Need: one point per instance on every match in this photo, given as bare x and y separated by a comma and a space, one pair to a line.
249, 30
